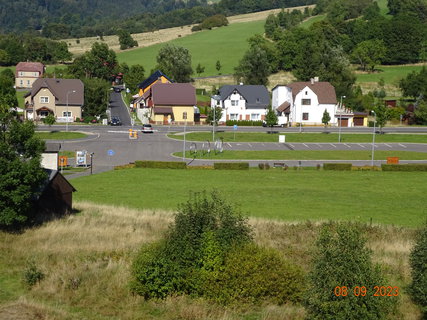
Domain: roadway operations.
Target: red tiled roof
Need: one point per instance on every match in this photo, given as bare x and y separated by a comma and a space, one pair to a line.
324, 90
173, 94
285, 106
30, 67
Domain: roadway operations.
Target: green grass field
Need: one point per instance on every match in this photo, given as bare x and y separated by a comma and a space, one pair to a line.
390, 74
306, 155
292, 195
309, 22
59, 135
226, 44
301, 137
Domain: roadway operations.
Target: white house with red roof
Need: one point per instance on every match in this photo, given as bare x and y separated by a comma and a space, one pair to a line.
305, 102
28, 72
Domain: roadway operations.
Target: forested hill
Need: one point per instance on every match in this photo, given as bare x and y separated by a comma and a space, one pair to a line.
80, 18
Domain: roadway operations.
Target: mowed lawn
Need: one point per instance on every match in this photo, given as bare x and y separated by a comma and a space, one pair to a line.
226, 44
391, 74
293, 195
301, 137
59, 135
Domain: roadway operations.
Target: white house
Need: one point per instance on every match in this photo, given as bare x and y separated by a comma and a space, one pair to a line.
305, 102
242, 102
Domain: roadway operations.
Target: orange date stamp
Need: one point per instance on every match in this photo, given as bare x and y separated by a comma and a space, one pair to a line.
362, 291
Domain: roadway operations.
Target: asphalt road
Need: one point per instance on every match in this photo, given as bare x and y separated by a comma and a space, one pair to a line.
119, 109
157, 146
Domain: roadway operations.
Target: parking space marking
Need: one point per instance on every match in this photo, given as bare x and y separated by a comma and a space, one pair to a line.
292, 145
305, 145
333, 145
347, 145
318, 145
361, 145
229, 145
402, 145
250, 145
387, 145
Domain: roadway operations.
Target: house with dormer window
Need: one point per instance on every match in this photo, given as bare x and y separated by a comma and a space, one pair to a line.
242, 102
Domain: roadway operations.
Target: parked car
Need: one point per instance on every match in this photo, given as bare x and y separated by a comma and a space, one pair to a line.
115, 121
117, 89
147, 128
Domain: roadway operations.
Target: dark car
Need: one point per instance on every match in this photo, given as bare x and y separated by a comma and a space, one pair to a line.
115, 121
117, 89
147, 128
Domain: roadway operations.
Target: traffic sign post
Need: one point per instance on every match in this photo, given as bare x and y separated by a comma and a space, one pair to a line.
235, 129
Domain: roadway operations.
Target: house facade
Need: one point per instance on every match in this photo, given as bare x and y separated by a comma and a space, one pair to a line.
164, 103
305, 102
64, 98
27, 73
242, 102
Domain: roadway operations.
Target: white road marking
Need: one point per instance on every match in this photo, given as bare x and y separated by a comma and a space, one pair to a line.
347, 145
361, 145
305, 145
250, 145
333, 145
387, 145
292, 146
402, 145
318, 145
229, 145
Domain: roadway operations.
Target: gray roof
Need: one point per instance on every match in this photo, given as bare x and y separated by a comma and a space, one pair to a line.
256, 96
60, 88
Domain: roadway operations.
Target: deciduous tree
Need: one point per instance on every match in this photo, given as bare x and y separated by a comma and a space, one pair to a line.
175, 62
271, 118
369, 53
254, 68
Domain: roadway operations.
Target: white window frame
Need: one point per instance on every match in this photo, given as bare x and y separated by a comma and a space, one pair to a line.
64, 114
234, 103
44, 99
234, 116
255, 116
306, 100
308, 116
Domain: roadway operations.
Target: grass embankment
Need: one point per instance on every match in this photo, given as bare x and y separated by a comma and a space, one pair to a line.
390, 74
60, 135
230, 136
292, 195
86, 259
305, 155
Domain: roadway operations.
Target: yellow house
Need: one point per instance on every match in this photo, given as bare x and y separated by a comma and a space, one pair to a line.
170, 102
156, 77
64, 98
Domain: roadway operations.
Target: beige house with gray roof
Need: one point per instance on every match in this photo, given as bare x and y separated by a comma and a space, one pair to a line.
64, 98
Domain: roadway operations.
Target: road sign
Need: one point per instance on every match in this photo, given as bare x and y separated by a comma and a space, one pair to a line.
111, 153
235, 127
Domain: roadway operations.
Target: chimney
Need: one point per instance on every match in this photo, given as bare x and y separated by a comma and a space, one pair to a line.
312, 80
316, 79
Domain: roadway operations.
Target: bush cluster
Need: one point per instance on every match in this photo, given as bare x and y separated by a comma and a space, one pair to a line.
217, 20
263, 166
231, 166
404, 167
244, 123
337, 166
418, 262
160, 164
208, 252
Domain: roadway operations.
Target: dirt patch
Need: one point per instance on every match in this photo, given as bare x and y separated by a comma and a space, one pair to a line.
21, 311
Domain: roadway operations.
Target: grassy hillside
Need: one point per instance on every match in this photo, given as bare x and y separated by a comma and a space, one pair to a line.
226, 44
275, 194
86, 259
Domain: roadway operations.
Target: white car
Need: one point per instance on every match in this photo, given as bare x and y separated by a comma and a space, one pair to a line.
147, 128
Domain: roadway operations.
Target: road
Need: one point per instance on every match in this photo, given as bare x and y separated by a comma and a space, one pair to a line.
157, 146
119, 109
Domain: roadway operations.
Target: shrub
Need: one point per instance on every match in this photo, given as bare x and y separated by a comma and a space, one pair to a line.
404, 167
418, 262
32, 274
253, 274
341, 259
365, 168
264, 166
125, 166
196, 28
337, 166
244, 123
160, 164
231, 166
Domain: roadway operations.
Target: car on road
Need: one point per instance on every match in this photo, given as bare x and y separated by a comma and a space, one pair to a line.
117, 89
115, 121
147, 128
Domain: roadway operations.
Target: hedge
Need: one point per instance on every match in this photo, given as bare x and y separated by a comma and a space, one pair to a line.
231, 166
160, 164
243, 123
404, 167
337, 166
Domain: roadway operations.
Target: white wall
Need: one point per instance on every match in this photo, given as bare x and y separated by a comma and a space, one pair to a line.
49, 161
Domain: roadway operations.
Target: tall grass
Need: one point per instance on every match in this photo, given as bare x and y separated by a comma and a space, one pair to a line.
86, 258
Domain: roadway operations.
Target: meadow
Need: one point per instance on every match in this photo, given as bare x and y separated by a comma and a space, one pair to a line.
229, 136
294, 195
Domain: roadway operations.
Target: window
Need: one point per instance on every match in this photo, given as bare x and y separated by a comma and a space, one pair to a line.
44, 113
306, 93
21, 73
306, 102
234, 116
184, 115
218, 102
28, 82
66, 114
21, 82
234, 103
44, 99
255, 116
305, 116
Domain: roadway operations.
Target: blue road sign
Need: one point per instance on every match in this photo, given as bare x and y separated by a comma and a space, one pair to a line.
111, 152
235, 127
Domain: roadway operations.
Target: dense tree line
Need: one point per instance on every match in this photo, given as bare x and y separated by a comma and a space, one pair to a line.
14, 49
80, 18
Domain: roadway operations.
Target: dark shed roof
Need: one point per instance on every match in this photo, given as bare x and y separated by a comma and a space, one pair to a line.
255, 95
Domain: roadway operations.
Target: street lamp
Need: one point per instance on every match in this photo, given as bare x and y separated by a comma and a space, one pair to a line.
213, 124
66, 120
339, 130
91, 161
373, 139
